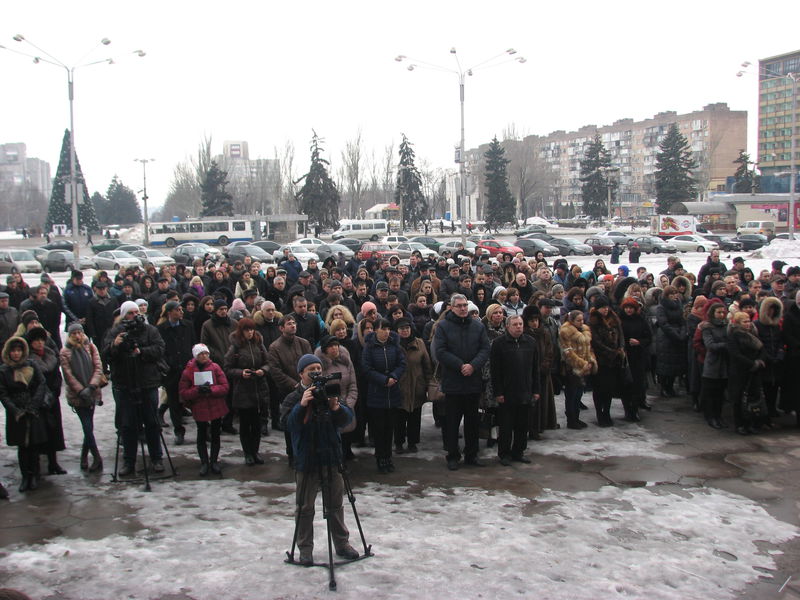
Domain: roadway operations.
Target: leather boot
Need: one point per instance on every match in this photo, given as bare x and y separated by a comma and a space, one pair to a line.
53, 468
97, 461
84, 458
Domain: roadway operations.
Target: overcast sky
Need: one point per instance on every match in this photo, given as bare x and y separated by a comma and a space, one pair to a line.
268, 72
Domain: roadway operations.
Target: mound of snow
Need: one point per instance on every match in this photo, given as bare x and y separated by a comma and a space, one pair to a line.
779, 249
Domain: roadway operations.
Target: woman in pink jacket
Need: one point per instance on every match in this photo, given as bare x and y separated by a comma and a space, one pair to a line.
203, 388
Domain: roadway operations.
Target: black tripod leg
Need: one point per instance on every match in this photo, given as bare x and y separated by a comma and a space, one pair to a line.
142, 433
162, 438
352, 498
116, 459
299, 503
325, 484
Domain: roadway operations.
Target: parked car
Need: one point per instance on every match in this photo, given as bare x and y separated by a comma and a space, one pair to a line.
766, 228
59, 245
430, 242
616, 237
494, 247
382, 250
328, 250
267, 245
39, 254
483, 236
539, 235
752, 241
115, 259
232, 245
131, 248
254, 252
18, 260
64, 260
454, 245
693, 243
599, 245
653, 244
310, 244
153, 257
570, 247
301, 253
352, 243
521, 231
393, 240
186, 254
530, 246
727, 243
107, 244
406, 249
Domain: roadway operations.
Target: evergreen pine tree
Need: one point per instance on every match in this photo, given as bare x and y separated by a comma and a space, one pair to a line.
216, 201
318, 198
746, 180
594, 182
60, 212
674, 165
122, 203
500, 206
408, 191
101, 208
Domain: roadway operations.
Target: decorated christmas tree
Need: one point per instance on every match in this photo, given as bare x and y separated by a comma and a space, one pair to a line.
60, 211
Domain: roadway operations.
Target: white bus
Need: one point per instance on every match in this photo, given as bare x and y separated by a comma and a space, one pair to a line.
363, 229
212, 230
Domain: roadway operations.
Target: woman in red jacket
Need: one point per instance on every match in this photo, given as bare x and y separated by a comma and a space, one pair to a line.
203, 388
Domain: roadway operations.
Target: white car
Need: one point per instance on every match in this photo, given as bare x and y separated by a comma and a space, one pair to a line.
693, 243
115, 259
310, 244
301, 253
153, 257
19, 260
393, 240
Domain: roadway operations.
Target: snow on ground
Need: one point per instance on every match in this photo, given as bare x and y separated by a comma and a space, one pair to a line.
226, 540
10, 235
783, 249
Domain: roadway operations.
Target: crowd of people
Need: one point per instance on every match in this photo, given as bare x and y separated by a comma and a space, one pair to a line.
488, 342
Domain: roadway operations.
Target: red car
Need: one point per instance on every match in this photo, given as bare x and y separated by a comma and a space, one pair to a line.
382, 250
495, 247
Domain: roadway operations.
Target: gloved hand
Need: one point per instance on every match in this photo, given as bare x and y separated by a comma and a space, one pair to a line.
85, 394
205, 388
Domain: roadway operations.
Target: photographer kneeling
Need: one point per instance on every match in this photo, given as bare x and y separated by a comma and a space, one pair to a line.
314, 422
132, 348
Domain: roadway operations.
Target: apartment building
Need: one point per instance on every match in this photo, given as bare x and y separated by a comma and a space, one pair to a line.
775, 122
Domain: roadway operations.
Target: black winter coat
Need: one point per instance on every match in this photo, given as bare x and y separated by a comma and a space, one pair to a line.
380, 362
457, 342
515, 368
139, 371
671, 339
249, 392
30, 429
607, 339
100, 317
636, 327
744, 349
178, 342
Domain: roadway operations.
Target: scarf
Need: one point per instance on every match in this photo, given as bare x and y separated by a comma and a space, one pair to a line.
81, 364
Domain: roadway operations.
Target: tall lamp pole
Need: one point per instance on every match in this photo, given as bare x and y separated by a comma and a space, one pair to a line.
75, 190
144, 162
461, 158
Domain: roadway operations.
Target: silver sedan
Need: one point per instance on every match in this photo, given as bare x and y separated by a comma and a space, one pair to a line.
115, 259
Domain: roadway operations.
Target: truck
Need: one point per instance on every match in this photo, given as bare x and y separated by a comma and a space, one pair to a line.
668, 226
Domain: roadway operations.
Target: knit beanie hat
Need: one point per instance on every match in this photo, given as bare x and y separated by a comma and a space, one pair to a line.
305, 360
198, 349
365, 308
73, 327
28, 316
127, 306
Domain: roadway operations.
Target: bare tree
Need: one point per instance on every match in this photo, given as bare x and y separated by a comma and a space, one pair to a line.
183, 199
354, 161
288, 177
387, 174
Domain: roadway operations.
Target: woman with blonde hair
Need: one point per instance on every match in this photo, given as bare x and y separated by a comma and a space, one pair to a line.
575, 339
341, 313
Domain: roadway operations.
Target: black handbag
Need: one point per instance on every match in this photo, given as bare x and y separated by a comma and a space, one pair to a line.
754, 406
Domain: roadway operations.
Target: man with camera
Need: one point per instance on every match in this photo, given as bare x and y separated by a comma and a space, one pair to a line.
133, 348
314, 422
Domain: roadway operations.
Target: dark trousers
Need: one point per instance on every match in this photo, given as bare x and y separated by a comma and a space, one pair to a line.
134, 411
512, 418
603, 385
771, 395
86, 417
28, 458
458, 406
174, 404
573, 390
407, 426
206, 430
249, 430
305, 498
712, 396
381, 428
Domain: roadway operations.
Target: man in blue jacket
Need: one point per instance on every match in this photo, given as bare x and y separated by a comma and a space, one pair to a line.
461, 347
316, 443
77, 296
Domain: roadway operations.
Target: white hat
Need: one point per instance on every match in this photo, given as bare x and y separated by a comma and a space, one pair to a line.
198, 349
127, 306
141, 302
471, 307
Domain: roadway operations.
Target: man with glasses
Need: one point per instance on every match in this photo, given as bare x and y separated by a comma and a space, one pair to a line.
461, 347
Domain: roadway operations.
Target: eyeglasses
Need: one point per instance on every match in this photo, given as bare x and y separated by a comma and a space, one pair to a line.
460, 305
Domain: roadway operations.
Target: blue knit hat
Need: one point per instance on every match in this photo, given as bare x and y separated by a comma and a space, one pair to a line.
624, 270
305, 360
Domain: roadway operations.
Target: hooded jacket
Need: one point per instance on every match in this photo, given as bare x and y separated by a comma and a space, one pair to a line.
768, 330
382, 361
22, 393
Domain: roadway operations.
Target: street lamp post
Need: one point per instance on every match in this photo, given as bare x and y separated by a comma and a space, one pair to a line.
607, 171
144, 162
793, 137
74, 187
494, 61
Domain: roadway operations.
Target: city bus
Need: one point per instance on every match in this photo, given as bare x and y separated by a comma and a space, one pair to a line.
219, 230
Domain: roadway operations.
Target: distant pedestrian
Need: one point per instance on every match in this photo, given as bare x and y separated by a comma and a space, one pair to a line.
452, 226
441, 227
425, 225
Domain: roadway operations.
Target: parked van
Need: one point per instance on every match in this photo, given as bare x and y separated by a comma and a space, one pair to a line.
362, 229
766, 228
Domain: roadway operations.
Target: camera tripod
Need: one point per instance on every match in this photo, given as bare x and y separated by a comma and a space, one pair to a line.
141, 405
325, 471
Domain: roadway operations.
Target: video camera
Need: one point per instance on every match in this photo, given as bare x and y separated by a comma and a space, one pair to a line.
131, 328
322, 390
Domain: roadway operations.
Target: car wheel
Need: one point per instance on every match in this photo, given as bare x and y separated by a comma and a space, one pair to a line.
14, 270
657, 250
169, 242
701, 249
116, 266
374, 238
223, 240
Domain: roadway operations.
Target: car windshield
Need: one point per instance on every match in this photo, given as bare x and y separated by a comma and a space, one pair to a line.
21, 255
337, 248
570, 240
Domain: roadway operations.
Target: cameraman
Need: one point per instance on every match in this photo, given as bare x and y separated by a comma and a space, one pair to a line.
303, 415
132, 349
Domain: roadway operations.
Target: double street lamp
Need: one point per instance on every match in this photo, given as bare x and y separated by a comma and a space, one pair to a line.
75, 190
494, 61
793, 77
144, 162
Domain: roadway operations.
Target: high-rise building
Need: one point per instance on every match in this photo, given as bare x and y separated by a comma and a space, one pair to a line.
24, 183
254, 183
715, 135
775, 119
